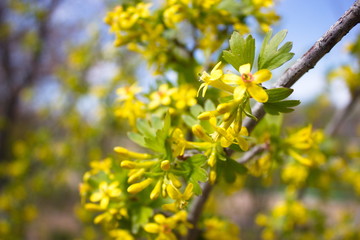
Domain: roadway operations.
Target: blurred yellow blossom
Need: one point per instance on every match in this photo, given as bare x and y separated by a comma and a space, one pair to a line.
164, 227
105, 193
216, 228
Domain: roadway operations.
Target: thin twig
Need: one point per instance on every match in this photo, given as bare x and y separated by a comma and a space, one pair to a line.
197, 209
341, 115
292, 75
252, 153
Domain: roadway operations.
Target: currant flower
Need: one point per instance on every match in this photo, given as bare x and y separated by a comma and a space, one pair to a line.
248, 82
214, 79
106, 192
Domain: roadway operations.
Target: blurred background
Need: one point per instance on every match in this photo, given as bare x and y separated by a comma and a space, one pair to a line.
58, 74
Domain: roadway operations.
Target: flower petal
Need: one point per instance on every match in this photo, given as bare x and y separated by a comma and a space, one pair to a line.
104, 202
215, 75
216, 67
205, 89
225, 142
243, 144
244, 131
152, 228
239, 92
159, 218
96, 196
232, 79
262, 76
201, 87
301, 159
173, 192
258, 93
245, 68
188, 191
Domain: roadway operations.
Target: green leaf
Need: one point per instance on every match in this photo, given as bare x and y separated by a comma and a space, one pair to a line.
196, 110
163, 132
209, 105
137, 138
207, 126
144, 128
271, 56
167, 122
242, 51
189, 121
156, 122
278, 94
229, 168
226, 99
196, 172
280, 107
139, 217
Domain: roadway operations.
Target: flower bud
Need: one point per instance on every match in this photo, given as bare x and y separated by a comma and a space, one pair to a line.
212, 159
212, 177
165, 165
156, 191
174, 180
224, 107
128, 164
138, 187
136, 175
124, 153
204, 116
200, 133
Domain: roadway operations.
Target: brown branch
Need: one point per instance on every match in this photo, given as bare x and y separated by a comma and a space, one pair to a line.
312, 56
10, 102
293, 74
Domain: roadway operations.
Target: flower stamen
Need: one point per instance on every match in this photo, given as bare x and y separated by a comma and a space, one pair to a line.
247, 77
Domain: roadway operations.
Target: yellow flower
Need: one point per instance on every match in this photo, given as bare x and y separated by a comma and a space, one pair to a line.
180, 198
120, 234
103, 165
306, 140
248, 82
233, 137
178, 142
109, 215
348, 75
106, 192
184, 97
214, 79
260, 166
296, 174
216, 228
173, 14
164, 226
127, 92
263, 3
161, 97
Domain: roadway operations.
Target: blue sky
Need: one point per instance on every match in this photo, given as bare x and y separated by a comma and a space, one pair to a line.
307, 21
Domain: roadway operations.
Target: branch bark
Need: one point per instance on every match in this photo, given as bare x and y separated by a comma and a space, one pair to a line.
336, 32
308, 61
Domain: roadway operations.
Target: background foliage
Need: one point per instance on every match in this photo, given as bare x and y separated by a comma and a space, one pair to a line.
68, 97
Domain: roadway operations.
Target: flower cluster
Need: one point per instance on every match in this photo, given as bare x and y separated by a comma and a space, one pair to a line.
133, 104
150, 31
164, 227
